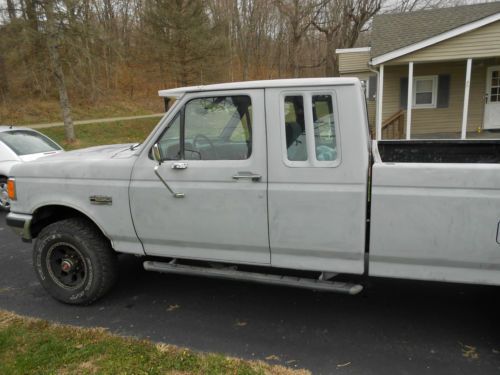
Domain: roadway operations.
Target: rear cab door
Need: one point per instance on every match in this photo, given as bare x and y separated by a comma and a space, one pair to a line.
318, 158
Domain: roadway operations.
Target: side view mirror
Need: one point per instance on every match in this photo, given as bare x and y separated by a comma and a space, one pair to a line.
157, 153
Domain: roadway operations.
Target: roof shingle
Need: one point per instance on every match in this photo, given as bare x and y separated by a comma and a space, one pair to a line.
394, 31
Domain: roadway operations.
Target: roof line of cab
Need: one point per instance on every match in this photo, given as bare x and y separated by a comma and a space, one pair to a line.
271, 83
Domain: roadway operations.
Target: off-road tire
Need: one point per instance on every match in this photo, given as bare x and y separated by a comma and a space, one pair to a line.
94, 255
3, 181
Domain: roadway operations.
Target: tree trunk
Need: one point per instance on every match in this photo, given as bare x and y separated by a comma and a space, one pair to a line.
4, 83
245, 68
330, 55
53, 45
294, 58
11, 10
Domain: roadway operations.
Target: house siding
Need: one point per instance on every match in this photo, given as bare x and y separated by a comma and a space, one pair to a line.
353, 62
439, 120
370, 104
482, 42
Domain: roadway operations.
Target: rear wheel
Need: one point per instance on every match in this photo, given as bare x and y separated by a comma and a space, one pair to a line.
74, 261
4, 196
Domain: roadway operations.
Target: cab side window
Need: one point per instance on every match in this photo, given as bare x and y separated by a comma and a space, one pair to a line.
325, 140
211, 128
310, 114
295, 128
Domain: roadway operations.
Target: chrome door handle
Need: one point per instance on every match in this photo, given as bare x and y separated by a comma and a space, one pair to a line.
179, 165
247, 176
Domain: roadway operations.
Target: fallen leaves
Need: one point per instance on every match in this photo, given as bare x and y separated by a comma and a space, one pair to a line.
273, 357
172, 307
340, 365
469, 351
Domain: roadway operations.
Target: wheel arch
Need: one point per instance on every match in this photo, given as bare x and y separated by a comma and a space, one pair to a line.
48, 214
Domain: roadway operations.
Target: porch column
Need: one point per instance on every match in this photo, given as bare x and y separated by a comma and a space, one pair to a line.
380, 99
466, 99
409, 103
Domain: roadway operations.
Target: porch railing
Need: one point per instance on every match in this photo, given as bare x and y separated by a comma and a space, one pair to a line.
393, 127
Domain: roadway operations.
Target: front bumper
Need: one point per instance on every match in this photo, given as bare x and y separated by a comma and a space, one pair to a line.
20, 224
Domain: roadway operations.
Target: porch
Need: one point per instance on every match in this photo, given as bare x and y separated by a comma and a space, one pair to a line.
446, 99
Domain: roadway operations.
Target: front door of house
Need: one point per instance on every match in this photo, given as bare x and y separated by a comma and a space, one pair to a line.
492, 106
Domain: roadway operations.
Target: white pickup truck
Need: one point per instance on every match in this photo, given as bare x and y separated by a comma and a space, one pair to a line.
267, 181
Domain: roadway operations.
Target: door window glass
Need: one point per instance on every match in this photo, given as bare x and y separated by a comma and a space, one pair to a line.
169, 142
218, 128
324, 128
295, 128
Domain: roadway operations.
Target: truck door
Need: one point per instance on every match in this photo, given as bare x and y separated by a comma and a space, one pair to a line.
216, 208
318, 168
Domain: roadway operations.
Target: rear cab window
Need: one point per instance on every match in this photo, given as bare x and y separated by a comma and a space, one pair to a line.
310, 135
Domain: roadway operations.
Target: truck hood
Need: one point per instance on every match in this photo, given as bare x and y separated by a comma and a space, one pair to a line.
94, 153
31, 157
100, 162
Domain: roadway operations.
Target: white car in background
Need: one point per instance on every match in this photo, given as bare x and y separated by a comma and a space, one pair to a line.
18, 145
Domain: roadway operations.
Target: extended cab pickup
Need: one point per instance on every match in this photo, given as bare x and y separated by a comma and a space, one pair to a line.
268, 181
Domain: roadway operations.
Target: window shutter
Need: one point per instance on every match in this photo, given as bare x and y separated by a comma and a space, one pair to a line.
443, 99
403, 92
372, 87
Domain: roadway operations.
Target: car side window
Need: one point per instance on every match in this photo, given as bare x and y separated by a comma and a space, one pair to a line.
295, 128
325, 140
310, 135
218, 128
214, 128
170, 141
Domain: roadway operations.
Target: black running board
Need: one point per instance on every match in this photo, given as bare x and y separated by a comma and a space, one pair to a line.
229, 273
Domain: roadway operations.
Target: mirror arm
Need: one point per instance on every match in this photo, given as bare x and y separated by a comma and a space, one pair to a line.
176, 195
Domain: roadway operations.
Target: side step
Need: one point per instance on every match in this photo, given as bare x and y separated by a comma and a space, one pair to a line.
230, 273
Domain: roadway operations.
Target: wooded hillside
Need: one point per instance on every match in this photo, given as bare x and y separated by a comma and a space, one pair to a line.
94, 51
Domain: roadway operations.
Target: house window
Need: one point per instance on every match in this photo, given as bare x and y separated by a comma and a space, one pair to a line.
370, 87
425, 92
364, 85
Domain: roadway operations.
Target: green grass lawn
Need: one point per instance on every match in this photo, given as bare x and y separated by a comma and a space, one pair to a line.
32, 346
37, 111
129, 131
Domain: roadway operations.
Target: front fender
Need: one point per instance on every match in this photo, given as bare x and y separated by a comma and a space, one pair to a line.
113, 219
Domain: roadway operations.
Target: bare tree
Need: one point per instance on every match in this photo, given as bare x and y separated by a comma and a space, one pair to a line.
11, 10
4, 83
341, 22
402, 6
53, 44
299, 15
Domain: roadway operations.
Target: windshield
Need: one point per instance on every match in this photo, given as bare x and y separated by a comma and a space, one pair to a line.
25, 142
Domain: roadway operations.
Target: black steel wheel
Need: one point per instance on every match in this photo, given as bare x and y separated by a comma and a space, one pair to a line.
74, 262
66, 265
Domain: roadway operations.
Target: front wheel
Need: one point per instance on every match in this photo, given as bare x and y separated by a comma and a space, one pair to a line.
74, 262
4, 196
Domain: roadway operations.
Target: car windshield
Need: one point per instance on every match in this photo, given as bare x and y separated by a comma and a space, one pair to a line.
25, 142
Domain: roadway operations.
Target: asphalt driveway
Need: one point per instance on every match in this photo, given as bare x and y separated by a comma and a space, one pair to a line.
393, 327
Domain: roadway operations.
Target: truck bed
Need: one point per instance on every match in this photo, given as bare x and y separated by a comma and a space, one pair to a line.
440, 151
435, 210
